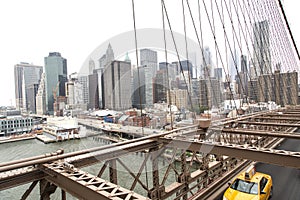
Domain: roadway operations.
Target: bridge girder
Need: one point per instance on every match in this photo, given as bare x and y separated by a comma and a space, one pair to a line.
271, 156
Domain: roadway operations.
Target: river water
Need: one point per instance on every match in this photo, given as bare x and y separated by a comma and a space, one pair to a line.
28, 148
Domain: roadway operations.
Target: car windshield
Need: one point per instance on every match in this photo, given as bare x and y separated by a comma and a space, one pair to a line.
245, 186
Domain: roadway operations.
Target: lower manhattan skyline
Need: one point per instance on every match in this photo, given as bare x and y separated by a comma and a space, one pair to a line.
150, 100
32, 29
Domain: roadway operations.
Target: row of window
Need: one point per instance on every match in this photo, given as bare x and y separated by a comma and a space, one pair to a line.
16, 121
15, 126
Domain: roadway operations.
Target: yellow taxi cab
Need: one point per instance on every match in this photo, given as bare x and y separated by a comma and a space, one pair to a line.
250, 185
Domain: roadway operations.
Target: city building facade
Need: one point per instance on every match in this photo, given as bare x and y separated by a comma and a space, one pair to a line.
261, 51
282, 88
41, 97
27, 79
11, 125
178, 98
116, 86
93, 91
56, 77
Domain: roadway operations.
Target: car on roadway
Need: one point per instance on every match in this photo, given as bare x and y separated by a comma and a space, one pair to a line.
250, 185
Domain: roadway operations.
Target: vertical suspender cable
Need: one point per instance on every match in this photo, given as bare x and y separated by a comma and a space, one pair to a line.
167, 67
137, 64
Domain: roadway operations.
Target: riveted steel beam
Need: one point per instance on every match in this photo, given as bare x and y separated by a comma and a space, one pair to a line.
261, 133
276, 157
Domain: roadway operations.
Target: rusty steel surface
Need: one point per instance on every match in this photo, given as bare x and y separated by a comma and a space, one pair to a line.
277, 118
279, 134
266, 155
11, 179
221, 148
269, 124
84, 185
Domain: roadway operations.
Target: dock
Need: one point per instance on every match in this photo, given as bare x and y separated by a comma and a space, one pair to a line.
128, 131
45, 139
2, 141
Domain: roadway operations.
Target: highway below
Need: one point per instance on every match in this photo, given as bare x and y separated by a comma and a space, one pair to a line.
286, 181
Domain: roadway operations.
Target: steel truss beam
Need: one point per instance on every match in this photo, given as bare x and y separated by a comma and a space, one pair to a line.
261, 133
272, 156
269, 124
29, 190
83, 185
46, 189
277, 117
17, 177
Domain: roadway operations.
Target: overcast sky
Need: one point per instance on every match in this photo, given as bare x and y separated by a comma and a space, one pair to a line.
30, 29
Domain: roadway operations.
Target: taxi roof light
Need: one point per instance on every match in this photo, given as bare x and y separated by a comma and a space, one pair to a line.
250, 172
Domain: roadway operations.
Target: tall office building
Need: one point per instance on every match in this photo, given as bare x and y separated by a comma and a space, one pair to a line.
104, 61
281, 88
138, 88
244, 64
93, 91
110, 56
41, 97
171, 69
92, 66
253, 90
207, 62
185, 67
207, 56
56, 77
178, 97
242, 78
148, 58
234, 64
160, 86
147, 71
205, 93
216, 92
210, 92
83, 80
261, 51
27, 79
116, 85
219, 73
74, 92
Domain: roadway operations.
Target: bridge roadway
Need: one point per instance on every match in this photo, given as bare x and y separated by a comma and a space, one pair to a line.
286, 180
62, 169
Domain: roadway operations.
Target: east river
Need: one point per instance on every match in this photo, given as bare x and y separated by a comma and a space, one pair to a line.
28, 148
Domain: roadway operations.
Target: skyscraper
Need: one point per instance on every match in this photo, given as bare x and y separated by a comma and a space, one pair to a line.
56, 77
242, 78
281, 88
116, 85
261, 51
27, 79
104, 61
207, 56
178, 97
149, 58
219, 73
234, 64
41, 97
91, 66
74, 92
160, 86
208, 63
83, 80
93, 91
138, 89
109, 54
